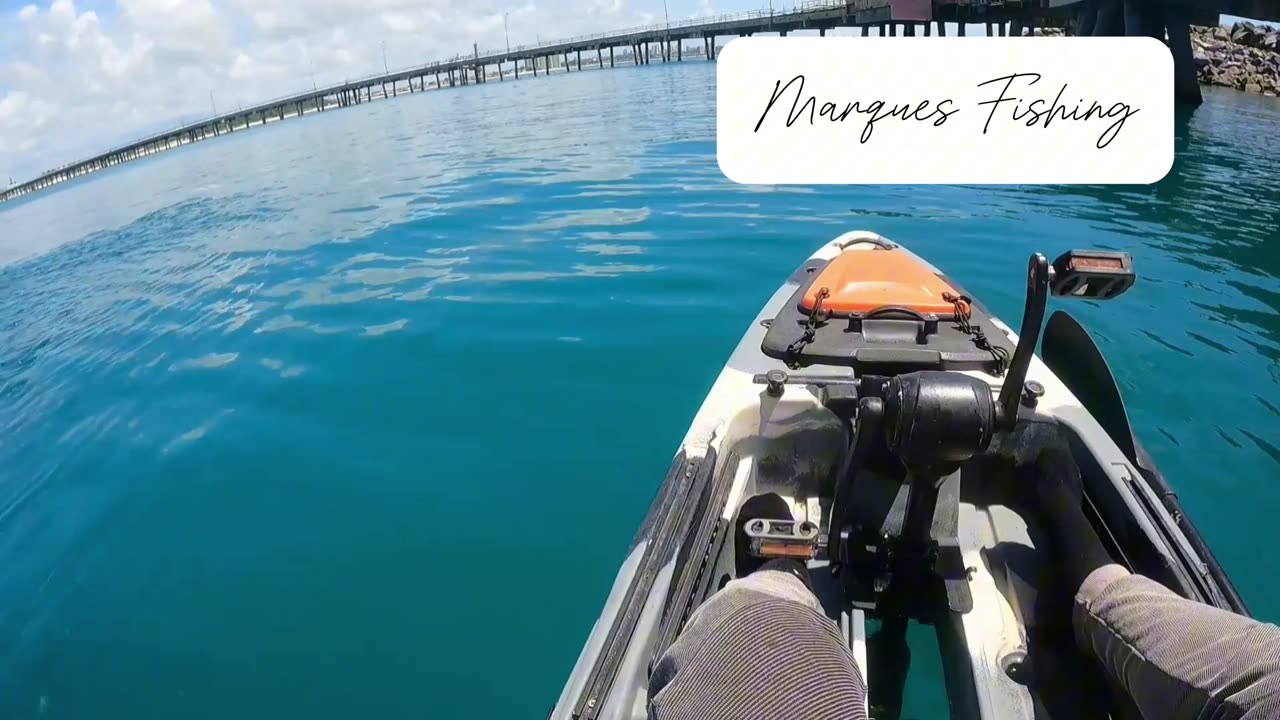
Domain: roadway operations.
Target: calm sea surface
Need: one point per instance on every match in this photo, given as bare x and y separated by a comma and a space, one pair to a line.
355, 415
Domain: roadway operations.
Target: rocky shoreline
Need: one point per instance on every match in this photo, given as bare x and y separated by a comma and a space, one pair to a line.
1244, 56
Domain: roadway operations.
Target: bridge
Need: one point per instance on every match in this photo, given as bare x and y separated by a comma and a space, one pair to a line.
666, 42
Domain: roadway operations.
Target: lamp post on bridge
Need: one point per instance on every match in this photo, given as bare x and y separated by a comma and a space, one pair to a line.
505, 32
385, 69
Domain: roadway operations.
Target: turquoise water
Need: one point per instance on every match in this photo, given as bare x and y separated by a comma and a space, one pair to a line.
355, 415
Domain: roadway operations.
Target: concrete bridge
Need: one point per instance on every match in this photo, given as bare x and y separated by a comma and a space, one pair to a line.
667, 43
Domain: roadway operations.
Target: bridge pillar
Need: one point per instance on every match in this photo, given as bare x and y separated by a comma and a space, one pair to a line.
942, 29
822, 32
599, 57
909, 29
610, 56
1110, 22
1015, 28
893, 29
928, 29
782, 33
866, 30
960, 31
680, 50
579, 60
1186, 86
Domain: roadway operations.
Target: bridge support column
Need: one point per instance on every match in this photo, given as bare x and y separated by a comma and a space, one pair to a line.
960, 31
1015, 28
579, 61
647, 50
942, 29
1000, 28
610, 56
866, 30
680, 50
893, 29
1186, 86
909, 30
599, 57
1110, 19
822, 32
782, 33
928, 29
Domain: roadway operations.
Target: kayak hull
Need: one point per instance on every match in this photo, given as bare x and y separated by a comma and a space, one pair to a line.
744, 441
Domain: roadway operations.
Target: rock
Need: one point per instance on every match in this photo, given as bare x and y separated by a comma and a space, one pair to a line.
1245, 57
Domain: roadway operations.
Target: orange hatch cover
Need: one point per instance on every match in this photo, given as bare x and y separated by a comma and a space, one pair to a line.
860, 281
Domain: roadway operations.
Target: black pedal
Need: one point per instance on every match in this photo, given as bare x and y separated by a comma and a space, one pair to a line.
1092, 274
782, 539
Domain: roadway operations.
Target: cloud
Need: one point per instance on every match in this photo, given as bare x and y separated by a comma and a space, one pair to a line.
75, 81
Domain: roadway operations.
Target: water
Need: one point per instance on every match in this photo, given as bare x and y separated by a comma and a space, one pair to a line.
355, 415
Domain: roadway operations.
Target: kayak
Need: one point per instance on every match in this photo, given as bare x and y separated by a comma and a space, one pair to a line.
896, 416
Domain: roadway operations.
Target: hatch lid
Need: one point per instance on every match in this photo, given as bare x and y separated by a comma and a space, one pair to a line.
861, 281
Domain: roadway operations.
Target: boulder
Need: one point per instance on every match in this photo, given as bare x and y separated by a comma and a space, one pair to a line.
1245, 57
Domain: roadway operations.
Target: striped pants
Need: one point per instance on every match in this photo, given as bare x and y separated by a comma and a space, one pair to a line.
762, 649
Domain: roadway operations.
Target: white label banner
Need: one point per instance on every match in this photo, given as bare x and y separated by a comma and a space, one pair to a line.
967, 110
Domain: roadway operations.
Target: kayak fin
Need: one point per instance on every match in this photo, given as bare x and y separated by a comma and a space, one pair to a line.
1071, 354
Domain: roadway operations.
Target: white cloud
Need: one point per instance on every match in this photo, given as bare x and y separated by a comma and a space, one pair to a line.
77, 81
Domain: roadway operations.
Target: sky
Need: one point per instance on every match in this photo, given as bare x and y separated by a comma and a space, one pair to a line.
78, 77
